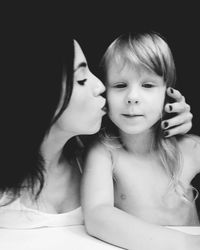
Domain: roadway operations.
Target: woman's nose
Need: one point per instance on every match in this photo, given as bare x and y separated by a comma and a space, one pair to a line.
99, 88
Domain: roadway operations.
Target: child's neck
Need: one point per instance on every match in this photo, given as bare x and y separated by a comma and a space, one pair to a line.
139, 144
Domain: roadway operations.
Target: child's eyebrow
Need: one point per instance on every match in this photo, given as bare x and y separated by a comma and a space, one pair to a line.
80, 65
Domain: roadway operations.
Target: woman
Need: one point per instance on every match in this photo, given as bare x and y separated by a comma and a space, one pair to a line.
53, 98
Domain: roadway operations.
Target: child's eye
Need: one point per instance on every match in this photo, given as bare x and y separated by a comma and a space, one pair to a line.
120, 85
82, 82
148, 85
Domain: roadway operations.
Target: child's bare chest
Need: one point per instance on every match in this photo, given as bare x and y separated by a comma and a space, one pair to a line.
142, 188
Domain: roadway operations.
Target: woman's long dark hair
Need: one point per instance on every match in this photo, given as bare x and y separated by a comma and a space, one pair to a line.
35, 64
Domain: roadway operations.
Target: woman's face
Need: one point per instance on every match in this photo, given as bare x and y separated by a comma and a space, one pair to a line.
84, 112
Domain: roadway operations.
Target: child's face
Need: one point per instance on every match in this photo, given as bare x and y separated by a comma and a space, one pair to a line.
135, 97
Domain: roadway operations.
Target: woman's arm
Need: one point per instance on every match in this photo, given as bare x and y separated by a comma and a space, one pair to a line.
110, 224
182, 122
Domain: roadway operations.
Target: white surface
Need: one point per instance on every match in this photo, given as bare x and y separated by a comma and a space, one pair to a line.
59, 238
189, 230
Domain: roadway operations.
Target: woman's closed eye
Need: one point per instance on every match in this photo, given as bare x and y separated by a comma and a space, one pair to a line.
82, 82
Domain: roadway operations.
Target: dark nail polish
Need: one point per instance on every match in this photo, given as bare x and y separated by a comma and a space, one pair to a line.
165, 124
171, 90
170, 108
165, 133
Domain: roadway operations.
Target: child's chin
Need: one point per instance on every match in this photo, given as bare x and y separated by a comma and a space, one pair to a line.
132, 131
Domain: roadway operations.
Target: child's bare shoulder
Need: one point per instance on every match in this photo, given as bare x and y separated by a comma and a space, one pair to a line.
190, 147
104, 145
190, 143
100, 151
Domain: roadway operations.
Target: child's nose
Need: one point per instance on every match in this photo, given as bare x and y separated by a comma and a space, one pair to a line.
132, 97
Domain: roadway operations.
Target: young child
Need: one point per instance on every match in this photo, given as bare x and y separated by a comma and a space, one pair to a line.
136, 181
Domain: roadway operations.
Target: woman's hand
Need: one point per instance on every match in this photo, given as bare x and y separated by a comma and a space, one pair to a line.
182, 122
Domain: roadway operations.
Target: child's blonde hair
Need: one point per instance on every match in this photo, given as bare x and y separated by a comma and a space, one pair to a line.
150, 51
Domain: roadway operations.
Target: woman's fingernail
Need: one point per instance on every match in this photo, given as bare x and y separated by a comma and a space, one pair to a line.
165, 133
171, 90
165, 124
170, 108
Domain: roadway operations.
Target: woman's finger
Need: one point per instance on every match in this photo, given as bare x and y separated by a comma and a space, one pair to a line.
182, 129
175, 94
177, 107
177, 120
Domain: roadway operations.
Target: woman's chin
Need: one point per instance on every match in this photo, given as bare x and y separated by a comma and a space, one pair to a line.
94, 129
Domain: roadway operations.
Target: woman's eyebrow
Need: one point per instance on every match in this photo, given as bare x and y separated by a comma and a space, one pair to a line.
80, 65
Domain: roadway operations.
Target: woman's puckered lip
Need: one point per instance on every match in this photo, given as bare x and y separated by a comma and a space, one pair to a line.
104, 108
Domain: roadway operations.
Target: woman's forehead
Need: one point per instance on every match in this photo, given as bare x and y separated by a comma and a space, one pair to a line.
79, 59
